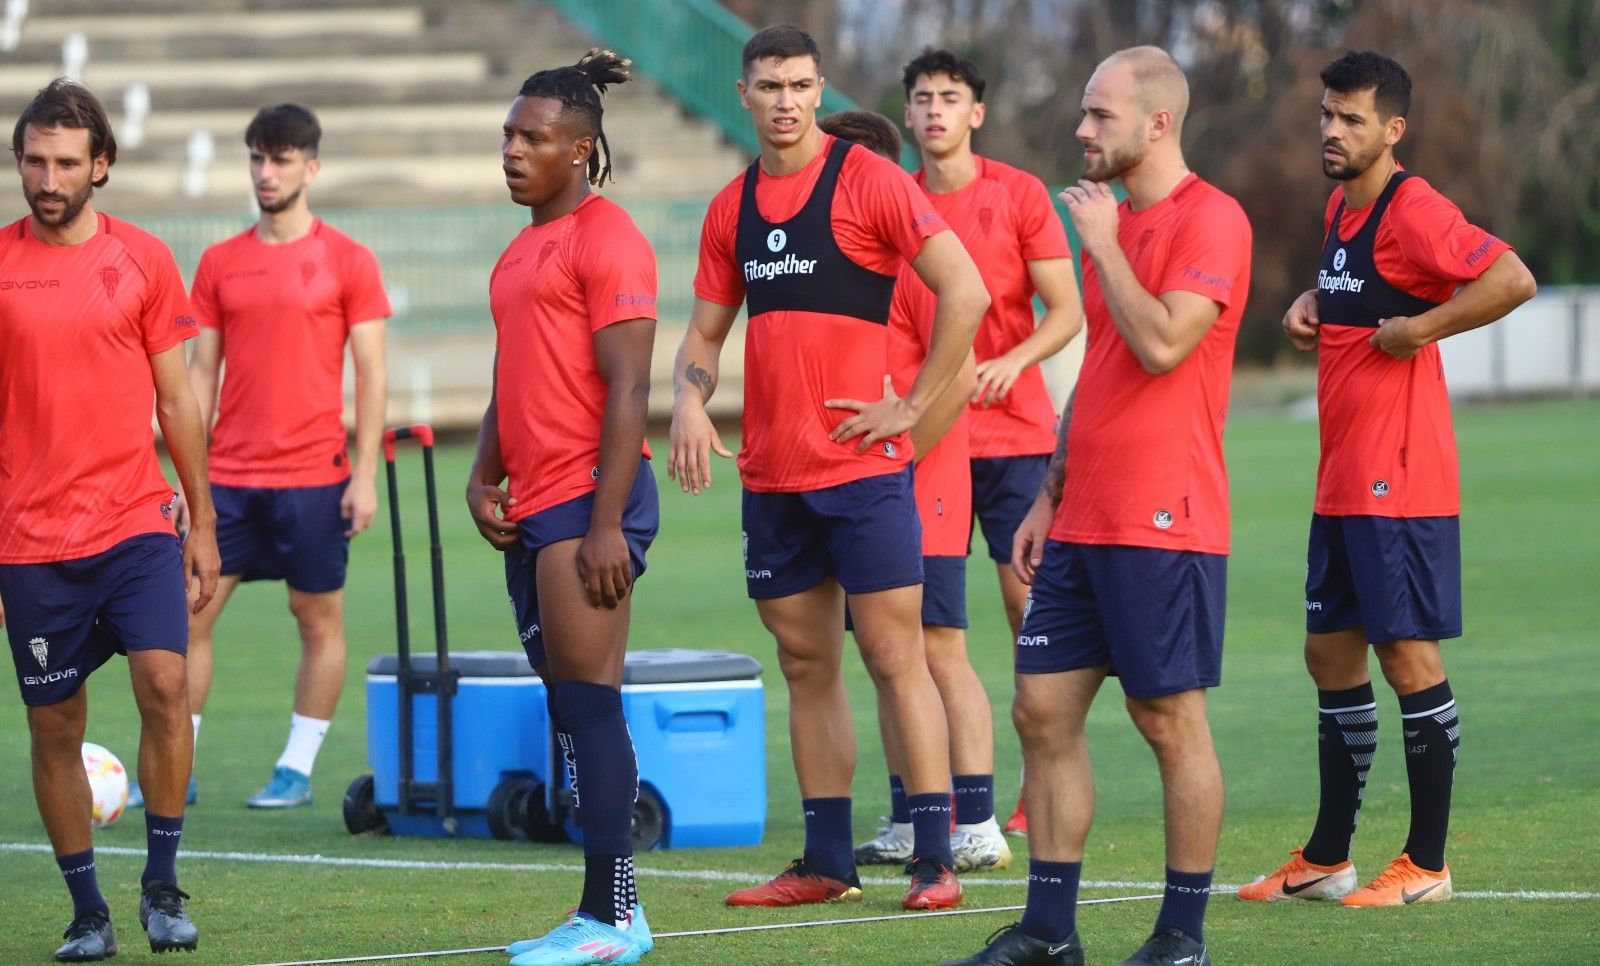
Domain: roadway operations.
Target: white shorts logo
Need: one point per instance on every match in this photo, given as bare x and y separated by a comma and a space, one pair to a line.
1162, 519
1380, 489
41, 651
1338, 260
776, 239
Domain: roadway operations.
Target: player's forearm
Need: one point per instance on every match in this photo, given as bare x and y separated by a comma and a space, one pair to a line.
488, 465
1142, 319
372, 402
204, 386
1505, 285
1057, 327
621, 443
939, 417
1055, 474
183, 432
955, 323
696, 369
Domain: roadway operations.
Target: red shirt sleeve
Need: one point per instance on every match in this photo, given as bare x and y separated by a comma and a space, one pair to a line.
880, 216
717, 278
203, 294
167, 318
361, 283
616, 267
1435, 238
1210, 250
1038, 226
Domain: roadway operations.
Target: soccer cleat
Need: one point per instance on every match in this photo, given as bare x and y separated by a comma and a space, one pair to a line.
136, 794
88, 940
798, 886
1010, 946
980, 847
581, 941
891, 846
637, 927
933, 886
1402, 884
1170, 947
287, 789
1017, 824
164, 919
1299, 879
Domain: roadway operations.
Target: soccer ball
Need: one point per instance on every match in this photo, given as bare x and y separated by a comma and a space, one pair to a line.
108, 784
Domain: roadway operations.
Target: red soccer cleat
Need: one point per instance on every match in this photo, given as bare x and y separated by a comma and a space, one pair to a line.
798, 886
1017, 824
933, 886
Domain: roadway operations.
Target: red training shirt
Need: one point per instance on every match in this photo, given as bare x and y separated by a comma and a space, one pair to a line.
1144, 452
284, 313
556, 285
795, 361
78, 325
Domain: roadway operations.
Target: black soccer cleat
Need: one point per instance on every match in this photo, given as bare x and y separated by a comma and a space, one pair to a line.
1170, 947
164, 919
1010, 946
88, 940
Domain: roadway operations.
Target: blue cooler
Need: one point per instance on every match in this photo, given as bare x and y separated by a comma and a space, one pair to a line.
501, 738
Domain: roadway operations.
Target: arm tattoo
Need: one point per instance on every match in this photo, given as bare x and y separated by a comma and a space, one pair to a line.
1055, 475
701, 379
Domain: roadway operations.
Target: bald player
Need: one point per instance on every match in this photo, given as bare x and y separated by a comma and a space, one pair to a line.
1127, 554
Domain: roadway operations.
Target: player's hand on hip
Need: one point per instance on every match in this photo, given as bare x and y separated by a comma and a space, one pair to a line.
201, 565
995, 378
1397, 337
693, 439
359, 505
1027, 547
1093, 210
873, 421
487, 504
605, 567
1302, 322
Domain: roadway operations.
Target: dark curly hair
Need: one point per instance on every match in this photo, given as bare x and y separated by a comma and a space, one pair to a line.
580, 88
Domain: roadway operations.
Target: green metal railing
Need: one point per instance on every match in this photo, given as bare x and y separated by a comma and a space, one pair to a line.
436, 261
692, 49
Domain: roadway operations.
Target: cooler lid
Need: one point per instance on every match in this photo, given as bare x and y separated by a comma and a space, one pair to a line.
681, 665
471, 664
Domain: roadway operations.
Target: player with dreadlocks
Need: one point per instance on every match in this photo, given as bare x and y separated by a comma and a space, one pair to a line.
574, 298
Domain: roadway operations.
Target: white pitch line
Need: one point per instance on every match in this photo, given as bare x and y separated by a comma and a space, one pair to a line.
763, 927
693, 875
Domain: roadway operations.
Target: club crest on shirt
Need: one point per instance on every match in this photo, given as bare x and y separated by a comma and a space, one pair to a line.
1380, 488
985, 220
308, 271
168, 507
545, 252
109, 277
889, 450
1162, 519
938, 506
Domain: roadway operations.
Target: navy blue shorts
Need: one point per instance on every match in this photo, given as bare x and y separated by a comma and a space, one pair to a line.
865, 532
1155, 616
293, 534
641, 517
1003, 491
1398, 579
67, 618
944, 593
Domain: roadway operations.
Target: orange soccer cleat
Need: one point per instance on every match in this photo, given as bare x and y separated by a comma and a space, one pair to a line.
933, 886
1402, 884
798, 886
1299, 879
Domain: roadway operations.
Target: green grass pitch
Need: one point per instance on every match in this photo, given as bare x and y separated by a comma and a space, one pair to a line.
1527, 789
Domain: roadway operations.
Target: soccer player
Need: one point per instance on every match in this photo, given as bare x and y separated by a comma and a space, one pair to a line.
277, 303
574, 302
1005, 219
93, 318
1401, 269
1126, 545
943, 487
811, 237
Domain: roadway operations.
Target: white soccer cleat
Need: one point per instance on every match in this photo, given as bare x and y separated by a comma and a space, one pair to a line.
891, 846
980, 847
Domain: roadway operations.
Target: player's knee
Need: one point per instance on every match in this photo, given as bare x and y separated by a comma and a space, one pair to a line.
887, 663
164, 687
1332, 669
1037, 721
1165, 724
1410, 667
56, 728
805, 667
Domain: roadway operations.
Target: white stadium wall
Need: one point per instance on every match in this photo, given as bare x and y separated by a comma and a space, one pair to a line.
1549, 345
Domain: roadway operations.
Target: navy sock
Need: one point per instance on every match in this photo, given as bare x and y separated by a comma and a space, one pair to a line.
1347, 736
1184, 905
608, 889
605, 784
162, 835
828, 848
930, 827
1431, 731
974, 798
1052, 910
78, 870
898, 810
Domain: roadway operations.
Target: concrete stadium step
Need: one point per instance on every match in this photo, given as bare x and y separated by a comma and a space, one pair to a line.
246, 73
90, 8
299, 23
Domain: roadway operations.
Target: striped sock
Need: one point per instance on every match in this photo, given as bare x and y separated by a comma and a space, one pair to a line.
1432, 734
1347, 736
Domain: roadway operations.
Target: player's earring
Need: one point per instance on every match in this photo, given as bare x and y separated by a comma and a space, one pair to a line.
577, 160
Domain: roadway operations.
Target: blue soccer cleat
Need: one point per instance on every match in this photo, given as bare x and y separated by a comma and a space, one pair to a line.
88, 940
136, 794
287, 789
581, 941
165, 920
